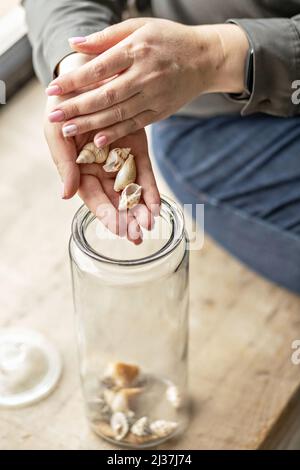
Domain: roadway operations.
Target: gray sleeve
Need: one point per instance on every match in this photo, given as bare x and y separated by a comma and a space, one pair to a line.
52, 22
276, 64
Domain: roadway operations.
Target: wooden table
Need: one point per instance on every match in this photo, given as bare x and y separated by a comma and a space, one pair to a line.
245, 389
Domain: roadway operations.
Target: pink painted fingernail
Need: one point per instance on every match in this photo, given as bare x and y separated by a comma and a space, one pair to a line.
77, 40
101, 141
56, 116
53, 90
70, 130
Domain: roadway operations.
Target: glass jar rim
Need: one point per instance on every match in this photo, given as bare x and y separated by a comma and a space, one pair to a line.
83, 218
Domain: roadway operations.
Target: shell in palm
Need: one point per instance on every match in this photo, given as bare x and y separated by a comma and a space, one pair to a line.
126, 175
130, 197
92, 154
116, 159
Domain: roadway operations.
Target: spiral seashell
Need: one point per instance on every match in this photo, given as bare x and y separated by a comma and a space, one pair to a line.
141, 427
122, 374
173, 396
116, 159
119, 425
130, 196
121, 400
126, 175
162, 428
92, 154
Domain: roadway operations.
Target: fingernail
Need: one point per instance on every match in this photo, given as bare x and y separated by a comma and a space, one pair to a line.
53, 90
101, 141
63, 194
56, 116
69, 131
77, 40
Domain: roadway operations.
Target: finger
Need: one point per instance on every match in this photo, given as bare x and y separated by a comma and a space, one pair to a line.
124, 128
128, 225
108, 117
116, 91
101, 41
134, 232
107, 65
146, 179
91, 192
64, 154
143, 216
103, 201
145, 173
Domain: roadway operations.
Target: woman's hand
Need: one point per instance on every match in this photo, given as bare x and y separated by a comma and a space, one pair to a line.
157, 65
95, 186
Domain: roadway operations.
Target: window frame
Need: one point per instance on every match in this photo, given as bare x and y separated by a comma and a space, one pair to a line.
15, 52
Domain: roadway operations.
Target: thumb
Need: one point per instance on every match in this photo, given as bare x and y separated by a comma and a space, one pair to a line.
64, 153
99, 42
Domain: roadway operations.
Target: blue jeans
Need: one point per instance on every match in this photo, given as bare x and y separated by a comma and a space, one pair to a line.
246, 171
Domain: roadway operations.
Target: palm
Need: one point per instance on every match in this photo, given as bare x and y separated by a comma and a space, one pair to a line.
94, 185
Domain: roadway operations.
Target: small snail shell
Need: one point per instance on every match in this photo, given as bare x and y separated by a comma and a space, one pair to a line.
121, 400
162, 428
126, 175
141, 427
130, 196
119, 425
122, 374
92, 154
116, 159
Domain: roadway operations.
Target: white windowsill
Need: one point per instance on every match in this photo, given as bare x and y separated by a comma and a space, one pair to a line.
12, 28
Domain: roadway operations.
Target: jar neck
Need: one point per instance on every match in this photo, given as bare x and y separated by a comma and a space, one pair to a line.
170, 214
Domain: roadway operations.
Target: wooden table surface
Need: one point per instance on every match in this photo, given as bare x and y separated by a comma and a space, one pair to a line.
245, 389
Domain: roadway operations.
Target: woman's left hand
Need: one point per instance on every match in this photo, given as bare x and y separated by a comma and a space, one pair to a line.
155, 67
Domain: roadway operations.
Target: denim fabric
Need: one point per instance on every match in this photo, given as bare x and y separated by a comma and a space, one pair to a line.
246, 170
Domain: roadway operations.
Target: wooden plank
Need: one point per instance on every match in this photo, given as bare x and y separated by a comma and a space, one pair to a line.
242, 379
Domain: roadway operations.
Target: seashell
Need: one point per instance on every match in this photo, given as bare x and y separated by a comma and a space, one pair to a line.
141, 427
173, 396
92, 154
123, 374
130, 196
162, 428
107, 382
116, 159
121, 400
119, 425
126, 175
130, 417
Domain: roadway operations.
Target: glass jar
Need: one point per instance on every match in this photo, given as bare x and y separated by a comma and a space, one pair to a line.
131, 308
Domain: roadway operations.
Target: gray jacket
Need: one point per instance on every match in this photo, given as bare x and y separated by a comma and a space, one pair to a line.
272, 26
